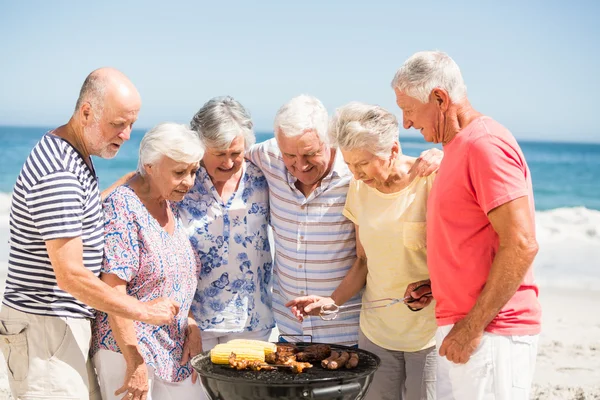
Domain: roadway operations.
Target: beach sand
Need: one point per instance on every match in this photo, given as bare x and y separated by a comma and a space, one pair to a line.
568, 363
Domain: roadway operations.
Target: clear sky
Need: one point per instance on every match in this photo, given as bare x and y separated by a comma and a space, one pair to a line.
532, 65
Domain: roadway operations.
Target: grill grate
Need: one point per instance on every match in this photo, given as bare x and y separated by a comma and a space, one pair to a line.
368, 362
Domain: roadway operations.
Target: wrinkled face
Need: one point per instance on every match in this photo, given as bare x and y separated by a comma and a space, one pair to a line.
223, 164
305, 156
171, 179
367, 167
106, 135
421, 116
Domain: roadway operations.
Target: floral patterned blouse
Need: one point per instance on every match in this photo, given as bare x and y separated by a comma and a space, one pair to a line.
230, 237
154, 264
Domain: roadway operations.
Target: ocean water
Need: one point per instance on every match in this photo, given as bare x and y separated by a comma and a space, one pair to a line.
566, 182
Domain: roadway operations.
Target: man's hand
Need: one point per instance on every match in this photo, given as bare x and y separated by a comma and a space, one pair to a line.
308, 305
461, 342
428, 162
192, 346
421, 299
135, 385
160, 311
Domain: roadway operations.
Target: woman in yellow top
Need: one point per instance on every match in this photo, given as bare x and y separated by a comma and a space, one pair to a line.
388, 205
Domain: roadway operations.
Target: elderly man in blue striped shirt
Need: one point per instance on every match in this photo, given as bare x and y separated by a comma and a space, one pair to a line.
57, 245
315, 244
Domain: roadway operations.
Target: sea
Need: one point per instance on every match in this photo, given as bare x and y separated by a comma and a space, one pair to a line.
566, 183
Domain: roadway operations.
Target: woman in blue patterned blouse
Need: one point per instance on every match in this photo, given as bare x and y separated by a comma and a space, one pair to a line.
227, 214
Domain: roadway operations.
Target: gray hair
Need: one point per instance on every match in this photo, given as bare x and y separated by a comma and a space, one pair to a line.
221, 120
93, 91
364, 127
168, 139
301, 114
429, 70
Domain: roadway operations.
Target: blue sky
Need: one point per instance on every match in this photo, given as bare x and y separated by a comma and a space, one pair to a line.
532, 65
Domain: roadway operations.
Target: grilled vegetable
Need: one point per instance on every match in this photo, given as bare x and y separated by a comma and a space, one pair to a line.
221, 352
267, 346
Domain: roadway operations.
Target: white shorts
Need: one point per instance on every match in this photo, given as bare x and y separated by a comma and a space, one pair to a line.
47, 357
111, 367
501, 368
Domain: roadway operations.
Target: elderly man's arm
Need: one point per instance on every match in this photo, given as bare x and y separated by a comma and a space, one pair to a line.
66, 256
121, 181
135, 381
514, 225
352, 284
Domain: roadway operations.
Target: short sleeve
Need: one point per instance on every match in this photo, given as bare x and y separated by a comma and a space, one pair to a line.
350, 208
497, 171
55, 204
121, 240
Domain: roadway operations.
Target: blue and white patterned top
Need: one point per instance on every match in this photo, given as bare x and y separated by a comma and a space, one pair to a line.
231, 239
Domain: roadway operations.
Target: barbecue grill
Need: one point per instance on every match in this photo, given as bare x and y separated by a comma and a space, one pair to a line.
224, 383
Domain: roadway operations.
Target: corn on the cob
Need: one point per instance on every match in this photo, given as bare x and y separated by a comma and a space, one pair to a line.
268, 347
221, 352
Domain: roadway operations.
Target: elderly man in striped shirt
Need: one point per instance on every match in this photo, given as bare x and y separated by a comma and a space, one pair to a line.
57, 245
315, 244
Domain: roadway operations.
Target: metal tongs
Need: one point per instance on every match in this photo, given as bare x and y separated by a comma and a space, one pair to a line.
329, 312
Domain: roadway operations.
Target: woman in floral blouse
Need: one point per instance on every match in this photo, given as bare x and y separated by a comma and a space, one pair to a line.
148, 255
227, 214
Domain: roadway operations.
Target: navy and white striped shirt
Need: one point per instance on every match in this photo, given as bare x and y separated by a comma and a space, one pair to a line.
56, 196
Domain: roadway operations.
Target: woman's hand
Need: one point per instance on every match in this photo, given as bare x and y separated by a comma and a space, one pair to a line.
192, 345
135, 385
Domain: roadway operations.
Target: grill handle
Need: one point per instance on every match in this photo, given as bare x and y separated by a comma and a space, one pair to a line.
332, 392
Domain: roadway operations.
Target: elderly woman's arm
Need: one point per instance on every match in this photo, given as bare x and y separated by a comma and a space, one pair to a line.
136, 376
353, 282
192, 345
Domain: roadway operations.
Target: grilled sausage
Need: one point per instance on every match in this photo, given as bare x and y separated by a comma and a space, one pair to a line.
340, 362
353, 361
334, 356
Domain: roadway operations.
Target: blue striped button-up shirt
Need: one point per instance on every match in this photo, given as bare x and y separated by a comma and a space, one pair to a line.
315, 245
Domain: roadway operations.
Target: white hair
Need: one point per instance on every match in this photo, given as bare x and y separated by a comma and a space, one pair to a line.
360, 126
429, 70
221, 120
300, 115
171, 140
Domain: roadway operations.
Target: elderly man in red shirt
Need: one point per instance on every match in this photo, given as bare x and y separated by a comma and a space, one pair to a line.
480, 236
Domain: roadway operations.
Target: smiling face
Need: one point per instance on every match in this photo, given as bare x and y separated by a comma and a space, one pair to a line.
171, 179
223, 164
368, 167
305, 156
421, 116
106, 135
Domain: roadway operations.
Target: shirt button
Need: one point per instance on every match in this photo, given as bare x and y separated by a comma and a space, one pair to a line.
302, 292
300, 266
301, 237
302, 206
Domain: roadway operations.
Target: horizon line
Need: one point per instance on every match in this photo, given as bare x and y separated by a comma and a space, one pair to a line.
406, 133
